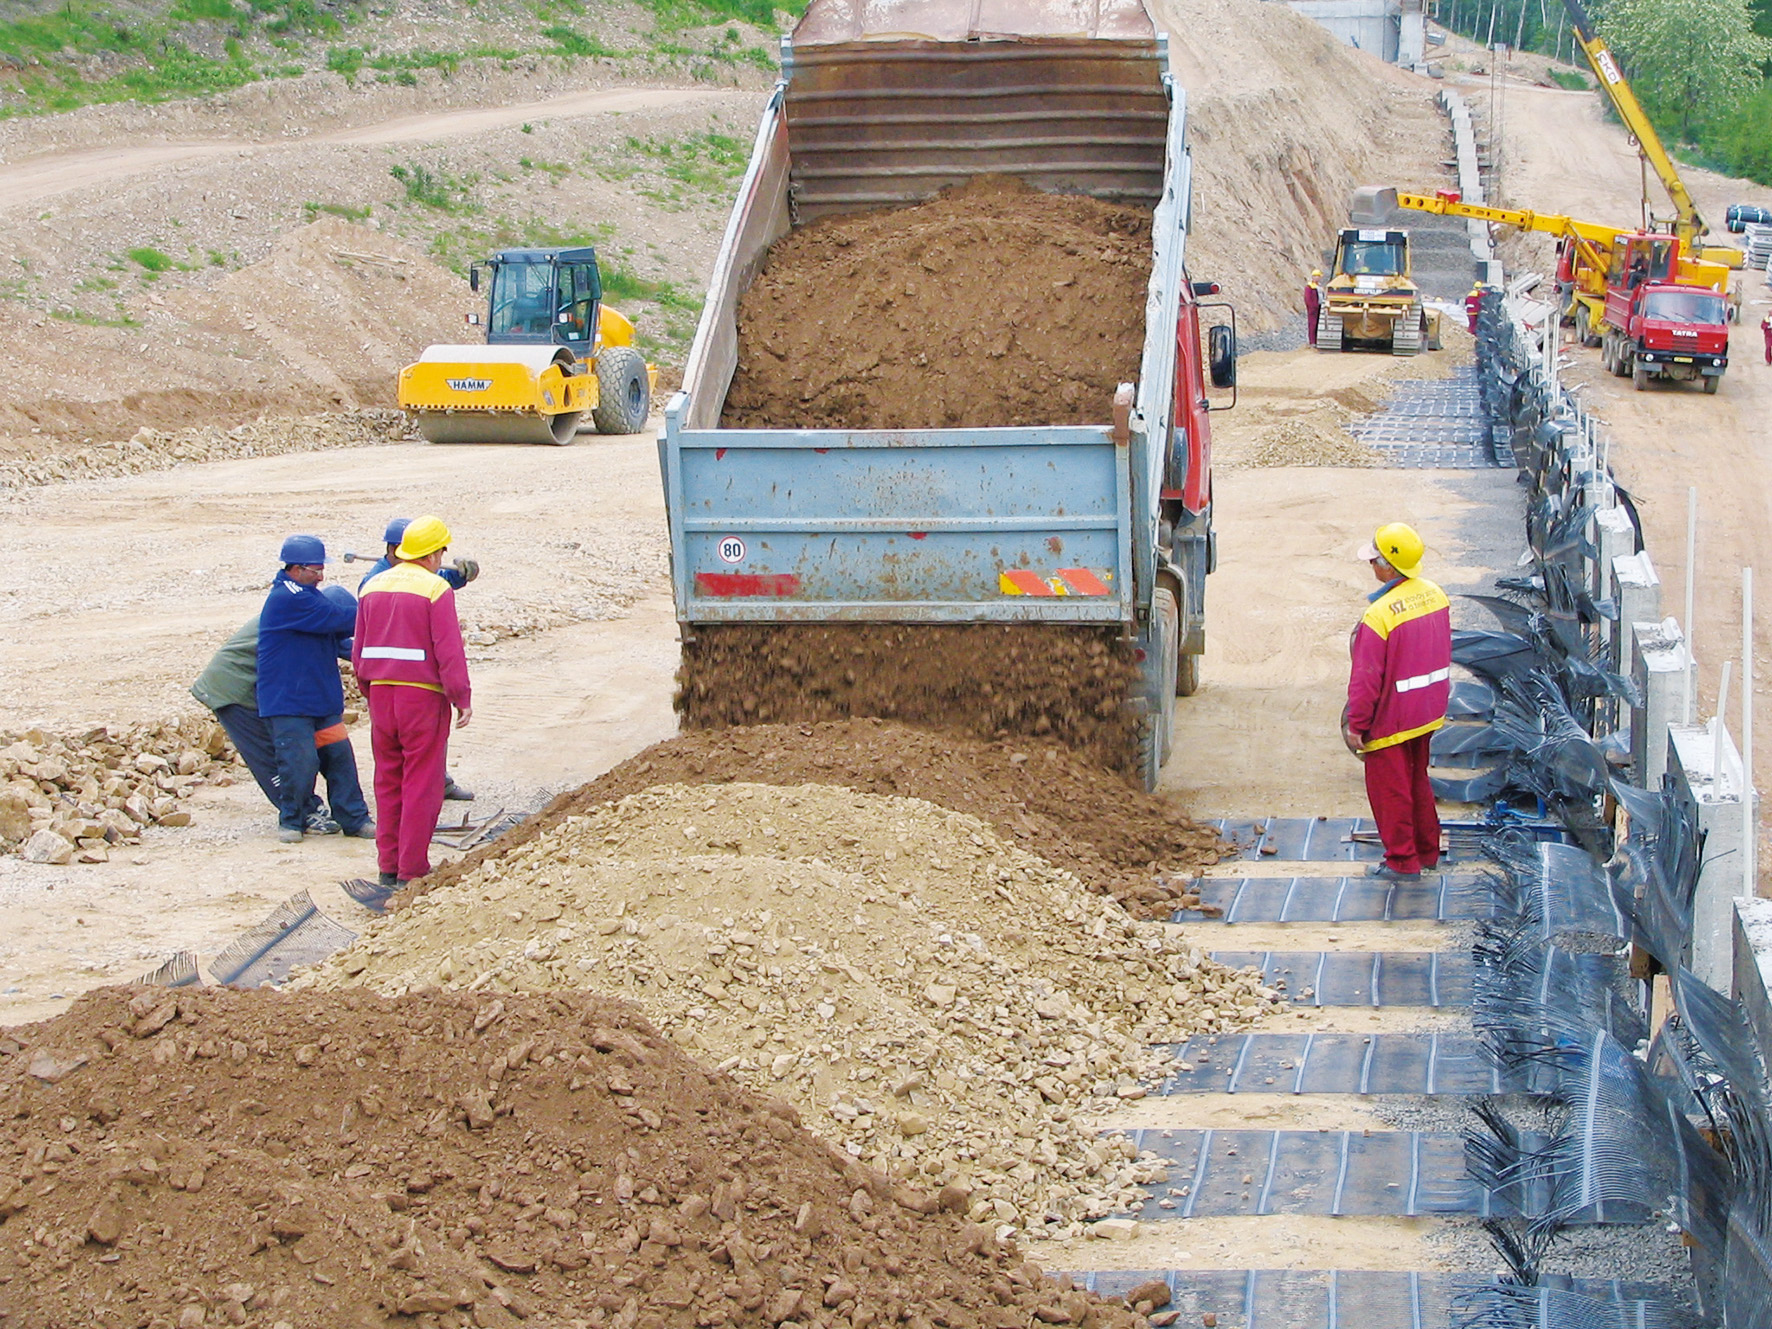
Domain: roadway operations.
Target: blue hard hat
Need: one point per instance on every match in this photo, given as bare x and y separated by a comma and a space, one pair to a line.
303, 549
396, 530
339, 595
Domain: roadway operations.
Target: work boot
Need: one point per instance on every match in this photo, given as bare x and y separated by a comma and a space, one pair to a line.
1385, 872
289, 835
387, 880
454, 792
364, 832
321, 823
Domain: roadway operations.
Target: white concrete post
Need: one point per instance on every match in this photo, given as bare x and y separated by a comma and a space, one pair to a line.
1637, 591
1658, 667
1721, 819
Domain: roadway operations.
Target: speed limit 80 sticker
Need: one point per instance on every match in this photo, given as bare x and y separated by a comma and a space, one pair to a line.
731, 550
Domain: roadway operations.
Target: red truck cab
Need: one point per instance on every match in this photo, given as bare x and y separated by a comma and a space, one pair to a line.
1658, 326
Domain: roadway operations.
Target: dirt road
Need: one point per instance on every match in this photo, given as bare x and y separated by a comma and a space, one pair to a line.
29, 182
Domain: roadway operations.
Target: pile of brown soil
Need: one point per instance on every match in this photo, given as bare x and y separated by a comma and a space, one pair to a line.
878, 320
1046, 680
1115, 837
259, 1158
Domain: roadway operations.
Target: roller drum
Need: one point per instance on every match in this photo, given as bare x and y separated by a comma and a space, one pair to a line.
498, 427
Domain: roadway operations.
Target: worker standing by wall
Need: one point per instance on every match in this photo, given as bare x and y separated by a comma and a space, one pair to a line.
1313, 304
1397, 694
458, 574
409, 657
301, 698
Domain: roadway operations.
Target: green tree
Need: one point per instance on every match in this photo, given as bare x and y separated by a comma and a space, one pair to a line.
1690, 62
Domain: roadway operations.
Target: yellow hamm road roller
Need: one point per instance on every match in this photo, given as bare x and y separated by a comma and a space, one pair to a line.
553, 352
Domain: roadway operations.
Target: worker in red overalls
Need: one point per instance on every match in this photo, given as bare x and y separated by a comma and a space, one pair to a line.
1766, 327
1313, 302
1397, 694
1473, 305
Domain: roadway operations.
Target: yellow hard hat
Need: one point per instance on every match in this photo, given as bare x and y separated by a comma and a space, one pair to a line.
425, 536
1316, 272
1398, 545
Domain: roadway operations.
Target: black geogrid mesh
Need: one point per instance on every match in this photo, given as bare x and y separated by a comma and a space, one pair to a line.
1437, 897
1557, 890
1509, 1306
1528, 995
1449, 1063
1335, 1298
1213, 1173
1620, 1147
1621, 1155
295, 934
1361, 978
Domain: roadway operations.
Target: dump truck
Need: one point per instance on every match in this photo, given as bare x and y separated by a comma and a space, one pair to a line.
554, 353
1046, 579
1371, 299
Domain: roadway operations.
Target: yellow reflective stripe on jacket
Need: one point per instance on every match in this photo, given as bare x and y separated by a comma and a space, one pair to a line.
1411, 599
407, 577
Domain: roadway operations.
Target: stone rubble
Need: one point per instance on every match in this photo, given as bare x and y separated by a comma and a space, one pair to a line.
948, 1008
72, 798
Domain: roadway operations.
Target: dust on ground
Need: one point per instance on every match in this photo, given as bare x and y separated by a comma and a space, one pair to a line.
946, 1006
1041, 681
871, 320
206, 1158
1112, 835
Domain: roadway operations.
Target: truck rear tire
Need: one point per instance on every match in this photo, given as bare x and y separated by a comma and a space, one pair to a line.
1156, 726
624, 394
1187, 674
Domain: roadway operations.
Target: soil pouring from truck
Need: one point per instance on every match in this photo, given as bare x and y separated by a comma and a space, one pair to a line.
1044, 579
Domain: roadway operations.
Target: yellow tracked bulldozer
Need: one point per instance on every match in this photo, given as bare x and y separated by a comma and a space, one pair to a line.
553, 353
1371, 299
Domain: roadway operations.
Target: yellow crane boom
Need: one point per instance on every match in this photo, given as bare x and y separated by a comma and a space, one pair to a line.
1688, 225
1593, 241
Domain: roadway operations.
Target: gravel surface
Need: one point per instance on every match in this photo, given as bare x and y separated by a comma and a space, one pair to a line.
829, 946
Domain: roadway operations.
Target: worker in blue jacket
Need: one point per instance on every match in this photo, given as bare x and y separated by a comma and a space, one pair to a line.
301, 699
458, 573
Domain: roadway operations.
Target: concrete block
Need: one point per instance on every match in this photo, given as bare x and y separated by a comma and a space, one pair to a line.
1657, 665
1753, 969
1637, 592
1723, 818
1614, 536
